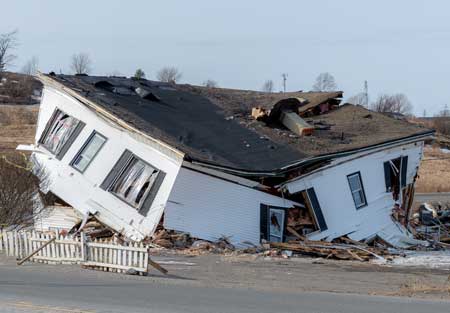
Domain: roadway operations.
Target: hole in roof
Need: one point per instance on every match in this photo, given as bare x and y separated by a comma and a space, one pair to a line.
103, 84
147, 94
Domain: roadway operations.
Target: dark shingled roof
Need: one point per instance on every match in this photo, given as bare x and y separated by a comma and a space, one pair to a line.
214, 125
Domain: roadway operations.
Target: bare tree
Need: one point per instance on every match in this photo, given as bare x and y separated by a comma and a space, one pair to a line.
19, 191
325, 82
8, 42
210, 83
169, 74
31, 67
358, 99
81, 63
139, 74
268, 86
396, 103
441, 121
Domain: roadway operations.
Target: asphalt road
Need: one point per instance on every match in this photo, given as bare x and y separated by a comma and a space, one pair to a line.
43, 288
432, 197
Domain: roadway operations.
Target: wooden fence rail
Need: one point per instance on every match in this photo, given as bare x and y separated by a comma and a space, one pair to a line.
100, 254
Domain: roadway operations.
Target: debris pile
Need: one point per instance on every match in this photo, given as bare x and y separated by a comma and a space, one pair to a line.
342, 249
432, 222
183, 241
93, 229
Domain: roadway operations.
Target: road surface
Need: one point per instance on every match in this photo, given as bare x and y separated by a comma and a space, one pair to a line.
44, 288
432, 197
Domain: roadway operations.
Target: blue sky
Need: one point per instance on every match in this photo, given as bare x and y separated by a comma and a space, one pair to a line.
397, 46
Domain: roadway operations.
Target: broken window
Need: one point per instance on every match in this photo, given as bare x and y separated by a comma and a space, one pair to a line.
88, 152
357, 189
60, 132
281, 224
395, 172
134, 181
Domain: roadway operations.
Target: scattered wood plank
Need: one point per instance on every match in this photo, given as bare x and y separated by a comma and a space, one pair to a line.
36, 251
157, 266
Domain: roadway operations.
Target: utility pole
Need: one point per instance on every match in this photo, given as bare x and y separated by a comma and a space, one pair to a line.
366, 94
284, 75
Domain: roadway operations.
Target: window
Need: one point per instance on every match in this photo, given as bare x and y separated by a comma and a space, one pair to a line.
88, 152
357, 189
134, 181
60, 132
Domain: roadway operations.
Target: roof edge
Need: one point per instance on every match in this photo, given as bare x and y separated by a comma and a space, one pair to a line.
322, 157
46, 80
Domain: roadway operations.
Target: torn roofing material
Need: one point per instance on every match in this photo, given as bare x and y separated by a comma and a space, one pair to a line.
214, 125
184, 120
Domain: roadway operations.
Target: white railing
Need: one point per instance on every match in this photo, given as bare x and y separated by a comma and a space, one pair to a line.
106, 255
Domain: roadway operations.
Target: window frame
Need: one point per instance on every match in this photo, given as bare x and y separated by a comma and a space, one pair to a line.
357, 174
70, 140
84, 146
121, 171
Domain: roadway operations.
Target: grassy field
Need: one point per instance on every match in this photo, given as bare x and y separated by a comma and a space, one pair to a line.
434, 172
17, 126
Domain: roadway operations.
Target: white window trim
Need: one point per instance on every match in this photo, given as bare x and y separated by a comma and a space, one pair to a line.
83, 148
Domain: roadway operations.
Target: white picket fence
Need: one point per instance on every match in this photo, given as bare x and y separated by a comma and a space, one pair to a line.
99, 254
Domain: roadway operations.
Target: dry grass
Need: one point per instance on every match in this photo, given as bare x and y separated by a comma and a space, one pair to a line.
17, 126
419, 287
434, 172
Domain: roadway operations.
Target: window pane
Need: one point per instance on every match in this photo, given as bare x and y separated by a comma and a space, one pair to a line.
357, 197
88, 153
92, 148
354, 182
59, 132
135, 181
81, 163
356, 189
363, 199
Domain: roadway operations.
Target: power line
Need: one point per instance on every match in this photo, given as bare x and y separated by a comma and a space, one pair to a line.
284, 75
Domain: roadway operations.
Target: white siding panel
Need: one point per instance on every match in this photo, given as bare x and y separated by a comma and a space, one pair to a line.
208, 207
80, 190
55, 217
335, 197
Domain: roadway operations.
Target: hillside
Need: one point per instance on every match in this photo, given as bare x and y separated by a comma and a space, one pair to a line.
17, 124
19, 96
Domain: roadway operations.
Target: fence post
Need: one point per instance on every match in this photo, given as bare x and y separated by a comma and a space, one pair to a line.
5, 241
83, 247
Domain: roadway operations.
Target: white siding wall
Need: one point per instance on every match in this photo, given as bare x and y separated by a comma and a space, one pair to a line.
208, 207
82, 191
56, 217
333, 192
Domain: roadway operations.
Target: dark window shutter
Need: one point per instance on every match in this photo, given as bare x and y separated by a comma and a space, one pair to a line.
263, 228
152, 194
48, 125
71, 139
404, 170
115, 171
317, 209
387, 176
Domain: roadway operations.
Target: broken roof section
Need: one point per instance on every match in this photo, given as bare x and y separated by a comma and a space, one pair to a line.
214, 125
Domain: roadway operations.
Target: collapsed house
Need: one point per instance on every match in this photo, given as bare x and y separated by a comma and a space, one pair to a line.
213, 162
